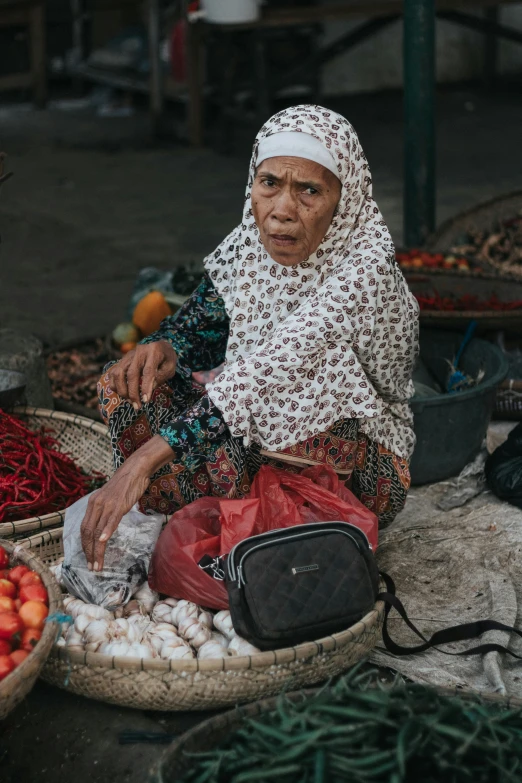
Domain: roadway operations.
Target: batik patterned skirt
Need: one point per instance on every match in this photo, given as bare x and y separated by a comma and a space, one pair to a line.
377, 477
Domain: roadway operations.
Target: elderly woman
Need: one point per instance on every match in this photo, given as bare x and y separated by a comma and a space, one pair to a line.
318, 332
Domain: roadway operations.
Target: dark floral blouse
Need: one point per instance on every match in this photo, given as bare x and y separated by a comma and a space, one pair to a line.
198, 332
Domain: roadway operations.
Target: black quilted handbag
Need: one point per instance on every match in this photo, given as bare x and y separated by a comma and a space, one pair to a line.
300, 583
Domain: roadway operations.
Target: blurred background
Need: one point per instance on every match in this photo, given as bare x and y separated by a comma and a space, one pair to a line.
129, 125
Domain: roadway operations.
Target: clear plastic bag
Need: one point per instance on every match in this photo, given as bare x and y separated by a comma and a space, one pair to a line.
126, 561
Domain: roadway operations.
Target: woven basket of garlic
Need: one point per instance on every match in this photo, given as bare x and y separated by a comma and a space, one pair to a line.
168, 654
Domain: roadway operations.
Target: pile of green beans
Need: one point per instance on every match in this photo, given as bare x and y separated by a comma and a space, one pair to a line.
361, 730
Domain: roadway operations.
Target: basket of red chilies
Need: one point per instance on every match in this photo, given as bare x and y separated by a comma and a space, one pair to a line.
48, 460
30, 600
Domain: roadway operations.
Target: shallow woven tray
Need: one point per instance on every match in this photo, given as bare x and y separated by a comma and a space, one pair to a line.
86, 441
18, 684
206, 735
207, 684
483, 217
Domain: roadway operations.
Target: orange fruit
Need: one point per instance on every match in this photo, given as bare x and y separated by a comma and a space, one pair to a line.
150, 312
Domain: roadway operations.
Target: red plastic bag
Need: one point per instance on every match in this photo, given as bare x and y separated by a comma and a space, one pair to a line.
212, 526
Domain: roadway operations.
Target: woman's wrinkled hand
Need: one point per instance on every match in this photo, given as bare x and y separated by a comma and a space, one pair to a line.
107, 506
146, 367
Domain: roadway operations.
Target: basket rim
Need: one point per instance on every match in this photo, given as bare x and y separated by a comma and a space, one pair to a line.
49, 413
54, 517
51, 628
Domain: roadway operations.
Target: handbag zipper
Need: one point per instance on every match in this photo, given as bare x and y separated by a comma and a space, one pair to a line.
230, 559
240, 579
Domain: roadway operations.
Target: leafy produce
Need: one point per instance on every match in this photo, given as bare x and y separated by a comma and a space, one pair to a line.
420, 259
35, 476
21, 617
360, 731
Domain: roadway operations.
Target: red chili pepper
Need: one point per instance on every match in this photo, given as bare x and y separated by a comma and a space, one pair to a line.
35, 477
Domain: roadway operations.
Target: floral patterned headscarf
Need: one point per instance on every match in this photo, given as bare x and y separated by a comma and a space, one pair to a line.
332, 338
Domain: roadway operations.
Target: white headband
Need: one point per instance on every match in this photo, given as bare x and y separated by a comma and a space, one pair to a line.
295, 144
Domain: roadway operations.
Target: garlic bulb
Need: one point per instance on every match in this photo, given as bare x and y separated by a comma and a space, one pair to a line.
115, 648
223, 622
68, 599
206, 618
73, 639
146, 597
212, 649
131, 608
60, 642
171, 601
97, 631
162, 612
169, 652
94, 612
218, 638
118, 612
239, 646
81, 623
140, 650
93, 646
74, 607
184, 609
194, 632
141, 624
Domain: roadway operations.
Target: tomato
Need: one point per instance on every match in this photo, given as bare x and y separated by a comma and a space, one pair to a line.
10, 624
33, 593
4, 573
6, 666
4, 558
18, 656
7, 588
7, 604
32, 614
5, 647
30, 638
16, 573
18, 604
29, 578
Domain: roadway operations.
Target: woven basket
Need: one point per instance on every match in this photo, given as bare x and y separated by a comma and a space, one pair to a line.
206, 735
484, 217
86, 441
206, 684
18, 684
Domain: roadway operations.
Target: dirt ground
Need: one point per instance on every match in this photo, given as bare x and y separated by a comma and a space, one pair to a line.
92, 202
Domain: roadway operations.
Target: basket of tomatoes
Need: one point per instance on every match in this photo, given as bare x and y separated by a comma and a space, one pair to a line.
29, 595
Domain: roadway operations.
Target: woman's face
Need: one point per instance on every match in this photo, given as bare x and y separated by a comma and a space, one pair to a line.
293, 201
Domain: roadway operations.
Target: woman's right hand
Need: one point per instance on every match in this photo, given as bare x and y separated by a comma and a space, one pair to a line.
145, 368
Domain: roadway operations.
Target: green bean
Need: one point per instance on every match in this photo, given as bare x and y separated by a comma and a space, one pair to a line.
276, 773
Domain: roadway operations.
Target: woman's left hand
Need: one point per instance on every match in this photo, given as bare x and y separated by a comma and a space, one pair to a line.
107, 506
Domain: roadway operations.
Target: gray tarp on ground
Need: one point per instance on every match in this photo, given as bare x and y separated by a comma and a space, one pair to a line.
452, 567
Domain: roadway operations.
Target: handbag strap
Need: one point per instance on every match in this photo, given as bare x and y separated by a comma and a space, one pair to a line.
456, 633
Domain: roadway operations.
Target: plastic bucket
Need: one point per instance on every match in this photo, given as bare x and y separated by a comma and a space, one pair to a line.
231, 11
450, 428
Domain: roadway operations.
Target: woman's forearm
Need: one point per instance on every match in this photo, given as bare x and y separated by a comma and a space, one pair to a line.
152, 456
